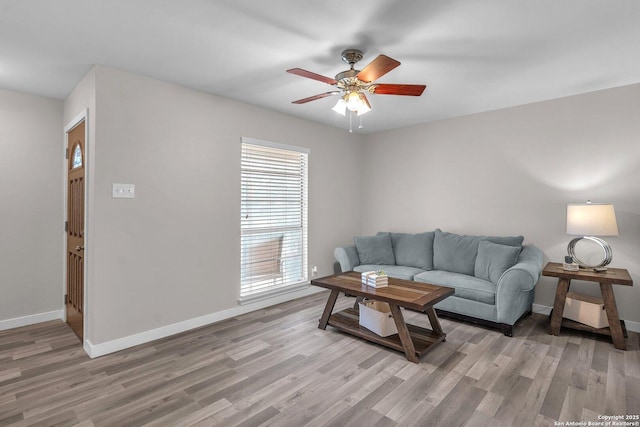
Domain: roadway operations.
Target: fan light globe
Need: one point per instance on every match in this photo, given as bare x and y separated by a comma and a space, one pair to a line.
365, 107
353, 101
340, 107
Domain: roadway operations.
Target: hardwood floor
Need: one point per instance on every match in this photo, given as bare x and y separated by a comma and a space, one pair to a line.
275, 367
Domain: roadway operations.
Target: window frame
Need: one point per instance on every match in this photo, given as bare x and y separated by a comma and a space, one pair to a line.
295, 273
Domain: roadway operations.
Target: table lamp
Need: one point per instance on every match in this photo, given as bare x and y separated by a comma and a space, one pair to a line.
589, 220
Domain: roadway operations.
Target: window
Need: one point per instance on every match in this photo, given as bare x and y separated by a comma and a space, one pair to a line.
273, 218
76, 161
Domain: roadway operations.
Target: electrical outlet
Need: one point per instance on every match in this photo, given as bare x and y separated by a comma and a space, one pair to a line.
314, 270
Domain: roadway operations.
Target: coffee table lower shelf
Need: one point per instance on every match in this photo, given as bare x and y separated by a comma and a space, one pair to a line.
423, 339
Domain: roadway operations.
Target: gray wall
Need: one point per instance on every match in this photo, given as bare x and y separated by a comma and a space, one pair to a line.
172, 253
31, 212
513, 171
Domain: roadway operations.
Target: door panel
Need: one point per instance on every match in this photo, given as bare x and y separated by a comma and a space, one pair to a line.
75, 229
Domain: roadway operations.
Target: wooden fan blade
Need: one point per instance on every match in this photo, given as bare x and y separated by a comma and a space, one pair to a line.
377, 68
399, 89
313, 98
310, 75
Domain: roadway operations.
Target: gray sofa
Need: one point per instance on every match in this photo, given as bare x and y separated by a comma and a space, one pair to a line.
494, 277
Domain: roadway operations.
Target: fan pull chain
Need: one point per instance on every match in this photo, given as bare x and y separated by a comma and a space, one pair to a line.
350, 121
360, 126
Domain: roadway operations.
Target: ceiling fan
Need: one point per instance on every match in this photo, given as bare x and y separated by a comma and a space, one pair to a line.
354, 84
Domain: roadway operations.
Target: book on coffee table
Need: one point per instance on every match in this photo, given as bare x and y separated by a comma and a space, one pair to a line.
374, 279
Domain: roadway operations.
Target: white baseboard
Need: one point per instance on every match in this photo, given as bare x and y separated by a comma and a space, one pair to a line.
97, 350
31, 319
546, 310
542, 309
632, 326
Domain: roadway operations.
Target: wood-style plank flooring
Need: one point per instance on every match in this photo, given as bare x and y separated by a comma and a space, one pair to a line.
275, 367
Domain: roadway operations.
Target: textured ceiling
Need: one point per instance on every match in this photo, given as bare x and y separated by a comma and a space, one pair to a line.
473, 55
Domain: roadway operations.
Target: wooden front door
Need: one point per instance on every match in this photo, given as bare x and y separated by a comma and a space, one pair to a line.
74, 299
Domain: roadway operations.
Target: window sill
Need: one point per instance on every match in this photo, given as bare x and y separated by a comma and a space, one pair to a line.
272, 293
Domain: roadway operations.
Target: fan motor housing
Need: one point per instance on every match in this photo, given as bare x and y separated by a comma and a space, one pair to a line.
347, 74
351, 56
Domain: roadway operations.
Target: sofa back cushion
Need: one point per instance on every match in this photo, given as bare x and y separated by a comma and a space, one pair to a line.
457, 253
454, 252
504, 240
413, 250
375, 249
494, 259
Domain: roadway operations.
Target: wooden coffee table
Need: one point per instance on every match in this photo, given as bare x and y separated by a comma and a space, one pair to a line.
413, 340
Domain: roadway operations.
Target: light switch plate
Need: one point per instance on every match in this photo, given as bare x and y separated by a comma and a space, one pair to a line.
124, 191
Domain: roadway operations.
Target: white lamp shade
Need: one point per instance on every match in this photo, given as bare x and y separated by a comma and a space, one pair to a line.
591, 219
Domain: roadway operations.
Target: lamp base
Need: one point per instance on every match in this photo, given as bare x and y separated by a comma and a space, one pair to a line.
606, 249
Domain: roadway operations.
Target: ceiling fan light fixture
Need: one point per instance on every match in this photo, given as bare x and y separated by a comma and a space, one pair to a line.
340, 107
354, 102
364, 110
365, 107
353, 84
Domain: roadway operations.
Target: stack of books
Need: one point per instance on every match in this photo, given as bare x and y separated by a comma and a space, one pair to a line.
375, 279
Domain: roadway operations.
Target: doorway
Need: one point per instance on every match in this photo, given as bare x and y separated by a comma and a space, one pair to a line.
75, 227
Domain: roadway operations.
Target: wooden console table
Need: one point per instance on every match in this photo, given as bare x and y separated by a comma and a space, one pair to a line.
612, 276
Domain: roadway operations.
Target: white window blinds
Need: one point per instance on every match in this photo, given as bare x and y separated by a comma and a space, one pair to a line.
273, 218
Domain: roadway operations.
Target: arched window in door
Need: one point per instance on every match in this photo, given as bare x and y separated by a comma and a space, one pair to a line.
76, 160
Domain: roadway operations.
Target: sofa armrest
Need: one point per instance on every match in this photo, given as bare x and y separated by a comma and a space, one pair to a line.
347, 256
525, 273
514, 288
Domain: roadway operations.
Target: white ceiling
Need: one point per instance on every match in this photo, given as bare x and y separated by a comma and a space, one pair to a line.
473, 55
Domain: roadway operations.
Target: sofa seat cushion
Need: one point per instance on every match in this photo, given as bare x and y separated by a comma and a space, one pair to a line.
467, 287
397, 271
